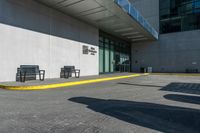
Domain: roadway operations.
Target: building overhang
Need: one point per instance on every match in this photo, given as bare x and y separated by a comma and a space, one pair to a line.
116, 17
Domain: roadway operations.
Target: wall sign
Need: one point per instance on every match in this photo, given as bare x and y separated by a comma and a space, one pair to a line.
85, 49
89, 50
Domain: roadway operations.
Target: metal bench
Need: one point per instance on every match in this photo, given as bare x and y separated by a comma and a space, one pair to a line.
67, 72
29, 72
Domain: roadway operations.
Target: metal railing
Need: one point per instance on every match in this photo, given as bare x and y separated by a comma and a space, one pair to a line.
134, 13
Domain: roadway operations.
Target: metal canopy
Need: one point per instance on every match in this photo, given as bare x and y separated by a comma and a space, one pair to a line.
117, 17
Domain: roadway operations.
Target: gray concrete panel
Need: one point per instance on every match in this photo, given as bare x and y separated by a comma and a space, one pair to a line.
32, 33
174, 52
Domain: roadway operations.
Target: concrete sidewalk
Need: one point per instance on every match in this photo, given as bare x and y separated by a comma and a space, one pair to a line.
60, 80
57, 83
63, 80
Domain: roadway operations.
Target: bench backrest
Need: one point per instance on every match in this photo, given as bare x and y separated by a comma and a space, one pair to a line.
69, 68
30, 69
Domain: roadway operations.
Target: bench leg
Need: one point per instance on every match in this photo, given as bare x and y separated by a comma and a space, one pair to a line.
22, 77
41, 76
66, 75
77, 74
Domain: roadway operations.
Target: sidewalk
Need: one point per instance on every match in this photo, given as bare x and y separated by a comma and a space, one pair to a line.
60, 82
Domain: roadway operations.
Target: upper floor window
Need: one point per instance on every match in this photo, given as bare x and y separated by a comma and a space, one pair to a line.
179, 15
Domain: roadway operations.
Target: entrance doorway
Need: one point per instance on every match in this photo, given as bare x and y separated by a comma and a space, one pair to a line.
114, 55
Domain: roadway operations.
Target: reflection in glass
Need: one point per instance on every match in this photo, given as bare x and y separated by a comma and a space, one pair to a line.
179, 15
114, 55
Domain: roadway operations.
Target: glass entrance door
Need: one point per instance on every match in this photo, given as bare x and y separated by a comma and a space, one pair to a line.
113, 56
101, 57
106, 56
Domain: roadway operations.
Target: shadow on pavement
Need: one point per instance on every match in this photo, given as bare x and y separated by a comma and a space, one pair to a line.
139, 85
183, 98
190, 88
155, 116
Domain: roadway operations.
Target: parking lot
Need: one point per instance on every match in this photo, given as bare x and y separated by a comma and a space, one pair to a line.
154, 103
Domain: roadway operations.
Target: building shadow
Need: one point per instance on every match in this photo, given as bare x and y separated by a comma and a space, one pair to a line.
190, 88
159, 117
144, 85
183, 98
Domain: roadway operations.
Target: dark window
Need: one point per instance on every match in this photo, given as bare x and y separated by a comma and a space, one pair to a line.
179, 15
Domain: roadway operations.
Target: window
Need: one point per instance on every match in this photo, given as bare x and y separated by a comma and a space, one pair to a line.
113, 54
179, 15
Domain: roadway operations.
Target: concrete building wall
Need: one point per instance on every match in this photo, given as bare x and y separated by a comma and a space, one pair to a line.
174, 52
31, 33
149, 9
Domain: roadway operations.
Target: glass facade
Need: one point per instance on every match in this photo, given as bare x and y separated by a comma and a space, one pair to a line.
179, 15
114, 54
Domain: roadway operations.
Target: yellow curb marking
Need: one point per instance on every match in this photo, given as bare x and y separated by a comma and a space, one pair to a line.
59, 85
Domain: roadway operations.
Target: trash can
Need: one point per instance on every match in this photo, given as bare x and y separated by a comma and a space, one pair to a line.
143, 70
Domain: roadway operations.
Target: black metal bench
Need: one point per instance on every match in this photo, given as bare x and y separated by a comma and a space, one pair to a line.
29, 72
67, 72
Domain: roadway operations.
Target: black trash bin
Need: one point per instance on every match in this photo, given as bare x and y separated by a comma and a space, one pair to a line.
143, 70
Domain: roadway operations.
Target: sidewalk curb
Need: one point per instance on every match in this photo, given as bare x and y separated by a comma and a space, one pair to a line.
67, 84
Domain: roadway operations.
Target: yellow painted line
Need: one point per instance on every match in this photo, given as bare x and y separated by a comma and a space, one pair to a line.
67, 84
175, 74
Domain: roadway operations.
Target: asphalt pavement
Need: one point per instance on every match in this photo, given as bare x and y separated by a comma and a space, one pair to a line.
143, 104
